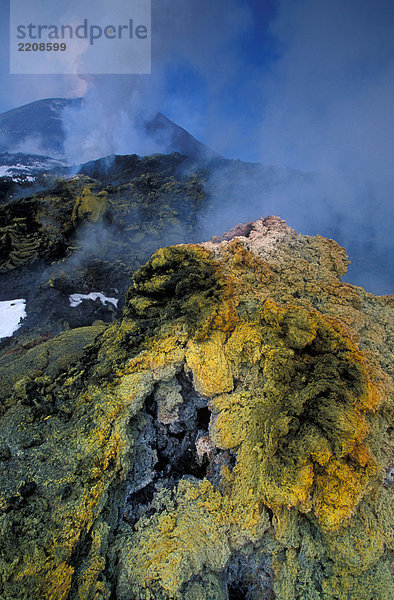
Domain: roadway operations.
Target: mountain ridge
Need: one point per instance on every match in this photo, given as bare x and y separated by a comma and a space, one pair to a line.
39, 124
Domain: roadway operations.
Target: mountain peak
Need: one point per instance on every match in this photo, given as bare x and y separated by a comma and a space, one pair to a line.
38, 128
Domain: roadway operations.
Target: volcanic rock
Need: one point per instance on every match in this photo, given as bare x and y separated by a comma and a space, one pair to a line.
226, 437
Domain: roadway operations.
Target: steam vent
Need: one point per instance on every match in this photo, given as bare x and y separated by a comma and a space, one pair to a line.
227, 438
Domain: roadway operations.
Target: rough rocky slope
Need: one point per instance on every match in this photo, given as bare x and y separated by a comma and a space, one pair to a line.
91, 232
87, 233
227, 438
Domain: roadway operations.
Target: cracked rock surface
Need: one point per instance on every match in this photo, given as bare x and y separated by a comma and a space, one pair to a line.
228, 437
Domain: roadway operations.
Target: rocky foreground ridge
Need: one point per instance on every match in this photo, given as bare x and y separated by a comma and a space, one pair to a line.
90, 233
227, 438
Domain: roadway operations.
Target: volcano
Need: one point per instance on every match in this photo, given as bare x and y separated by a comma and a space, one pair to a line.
37, 128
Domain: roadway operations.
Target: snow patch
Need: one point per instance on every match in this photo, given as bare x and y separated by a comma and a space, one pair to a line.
4, 170
26, 167
11, 314
77, 299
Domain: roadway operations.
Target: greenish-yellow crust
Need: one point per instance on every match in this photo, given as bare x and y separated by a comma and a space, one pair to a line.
294, 366
130, 220
188, 535
50, 357
90, 206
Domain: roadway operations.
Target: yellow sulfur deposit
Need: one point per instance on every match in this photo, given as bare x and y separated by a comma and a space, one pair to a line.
90, 205
252, 349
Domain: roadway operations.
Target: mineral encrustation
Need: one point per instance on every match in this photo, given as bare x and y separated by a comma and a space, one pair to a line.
227, 438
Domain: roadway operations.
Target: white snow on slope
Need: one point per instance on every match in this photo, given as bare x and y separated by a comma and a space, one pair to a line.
11, 313
15, 172
31, 167
76, 299
4, 170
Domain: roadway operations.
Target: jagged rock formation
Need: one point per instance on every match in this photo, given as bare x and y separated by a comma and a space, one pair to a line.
227, 438
40, 128
91, 232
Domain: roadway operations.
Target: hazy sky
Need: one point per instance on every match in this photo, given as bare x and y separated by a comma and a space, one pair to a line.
208, 60
268, 80
307, 84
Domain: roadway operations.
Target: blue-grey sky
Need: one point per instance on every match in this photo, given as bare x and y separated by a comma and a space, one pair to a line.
307, 84
248, 76
208, 57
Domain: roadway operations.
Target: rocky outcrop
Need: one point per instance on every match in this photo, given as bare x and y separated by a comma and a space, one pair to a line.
84, 235
227, 438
